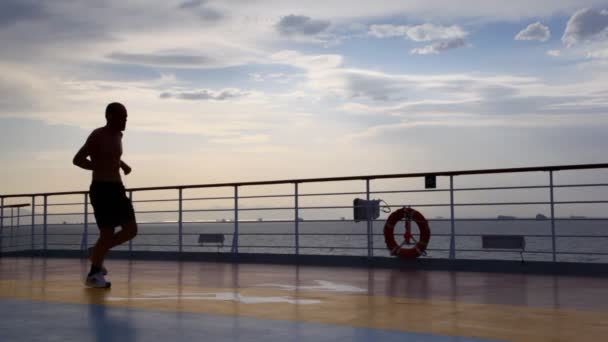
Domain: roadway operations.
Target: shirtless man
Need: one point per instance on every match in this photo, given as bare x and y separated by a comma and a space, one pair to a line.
111, 205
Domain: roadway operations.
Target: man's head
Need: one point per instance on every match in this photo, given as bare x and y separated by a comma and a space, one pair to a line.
116, 116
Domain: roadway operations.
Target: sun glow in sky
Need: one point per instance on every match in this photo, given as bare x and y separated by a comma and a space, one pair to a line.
247, 90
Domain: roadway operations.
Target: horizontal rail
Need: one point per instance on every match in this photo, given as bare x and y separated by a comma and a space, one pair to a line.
340, 179
568, 236
350, 221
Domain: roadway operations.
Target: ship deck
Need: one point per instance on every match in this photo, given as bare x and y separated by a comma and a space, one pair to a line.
45, 299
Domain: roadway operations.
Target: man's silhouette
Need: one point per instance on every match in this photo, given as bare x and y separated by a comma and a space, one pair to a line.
110, 203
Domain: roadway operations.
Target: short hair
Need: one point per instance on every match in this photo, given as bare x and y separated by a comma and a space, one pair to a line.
115, 108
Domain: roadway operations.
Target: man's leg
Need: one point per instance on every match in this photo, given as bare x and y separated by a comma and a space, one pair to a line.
108, 240
104, 243
128, 232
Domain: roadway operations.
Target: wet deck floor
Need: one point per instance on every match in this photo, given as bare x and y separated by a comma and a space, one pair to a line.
44, 299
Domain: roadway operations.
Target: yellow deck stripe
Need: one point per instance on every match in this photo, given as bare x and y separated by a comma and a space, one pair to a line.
513, 323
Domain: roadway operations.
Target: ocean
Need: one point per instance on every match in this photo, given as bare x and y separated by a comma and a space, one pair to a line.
575, 238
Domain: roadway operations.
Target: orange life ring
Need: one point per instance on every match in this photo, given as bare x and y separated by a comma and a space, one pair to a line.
389, 236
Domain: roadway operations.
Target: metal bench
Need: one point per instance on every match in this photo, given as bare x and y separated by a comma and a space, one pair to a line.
504, 242
217, 239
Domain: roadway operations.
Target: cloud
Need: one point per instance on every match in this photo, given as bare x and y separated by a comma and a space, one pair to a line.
308, 62
420, 33
13, 11
278, 77
445, 96
584, 25
242, 140
225, 56
446, 37
436, 10
294, 25
200, 8
362, 91
554, 53
386, 31
205, 94
160, 59
191, 4
535, 31
601, 54
439, 47
373, 87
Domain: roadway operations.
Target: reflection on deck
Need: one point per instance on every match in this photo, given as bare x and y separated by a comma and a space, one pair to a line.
179, 301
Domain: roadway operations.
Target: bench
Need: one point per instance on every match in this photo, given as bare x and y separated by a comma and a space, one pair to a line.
504, 242
217, 239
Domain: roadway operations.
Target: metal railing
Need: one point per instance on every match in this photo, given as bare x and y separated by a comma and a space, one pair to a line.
451, 237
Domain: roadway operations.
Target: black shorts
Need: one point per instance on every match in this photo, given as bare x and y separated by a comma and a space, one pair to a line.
111, 205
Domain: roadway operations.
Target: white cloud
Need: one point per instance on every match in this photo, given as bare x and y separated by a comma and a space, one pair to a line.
309, 62
420, 33
535, 31
554, 53
386, 31
484, 10
363, 86
242, 140
439, 47
278, 77
204, 94
434, 99
463, 120
601, 54
445, 37
585, 24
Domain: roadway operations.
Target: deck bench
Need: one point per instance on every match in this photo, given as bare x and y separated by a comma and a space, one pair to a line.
215, 239
506, 242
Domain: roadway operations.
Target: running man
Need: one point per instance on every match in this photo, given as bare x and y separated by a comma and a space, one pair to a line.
110, 203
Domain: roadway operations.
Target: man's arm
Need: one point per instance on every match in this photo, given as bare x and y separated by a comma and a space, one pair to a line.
80, 159
125, 168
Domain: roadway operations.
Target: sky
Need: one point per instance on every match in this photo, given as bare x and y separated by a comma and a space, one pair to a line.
248, 90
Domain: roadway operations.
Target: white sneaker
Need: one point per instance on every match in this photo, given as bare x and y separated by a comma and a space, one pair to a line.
97, 280
103, 269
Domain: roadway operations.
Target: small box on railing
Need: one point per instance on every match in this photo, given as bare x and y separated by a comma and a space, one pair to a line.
364, 210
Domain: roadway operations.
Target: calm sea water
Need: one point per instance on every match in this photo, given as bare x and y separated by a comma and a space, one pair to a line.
341, 238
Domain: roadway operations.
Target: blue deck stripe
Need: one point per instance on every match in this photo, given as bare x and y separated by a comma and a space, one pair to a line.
22, 320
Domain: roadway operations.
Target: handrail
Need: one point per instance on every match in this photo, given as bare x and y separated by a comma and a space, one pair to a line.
9, 206
369, 238
338, 179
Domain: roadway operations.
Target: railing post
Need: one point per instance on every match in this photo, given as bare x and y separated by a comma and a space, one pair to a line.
33, 220
131, 241
452, 222
11, 243
45, 221
370, 225
297, 219
235, 236
180, 220
1, 223
85, 234
552, 216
